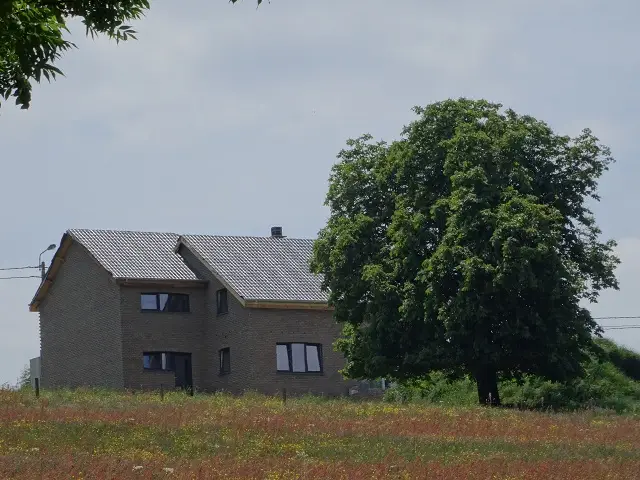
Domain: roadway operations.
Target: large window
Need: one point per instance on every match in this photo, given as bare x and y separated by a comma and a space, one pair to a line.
225, 361
159, 361
164, 302
222, 301
299, 357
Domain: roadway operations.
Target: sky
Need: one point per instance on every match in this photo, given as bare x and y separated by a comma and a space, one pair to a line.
226, 119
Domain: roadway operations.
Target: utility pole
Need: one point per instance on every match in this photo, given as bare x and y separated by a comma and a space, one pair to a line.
43, 268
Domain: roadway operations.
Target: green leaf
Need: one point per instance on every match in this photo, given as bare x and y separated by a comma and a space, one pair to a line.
467, 246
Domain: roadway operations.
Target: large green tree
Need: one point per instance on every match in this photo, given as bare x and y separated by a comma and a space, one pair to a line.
467, 246
32, 36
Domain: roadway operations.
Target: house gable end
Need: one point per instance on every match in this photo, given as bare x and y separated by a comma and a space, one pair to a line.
57, 262
202, 263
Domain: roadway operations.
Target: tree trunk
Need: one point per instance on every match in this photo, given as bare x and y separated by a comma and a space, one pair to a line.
487, 381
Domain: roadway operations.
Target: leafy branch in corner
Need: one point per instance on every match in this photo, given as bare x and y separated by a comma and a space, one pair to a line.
32, 37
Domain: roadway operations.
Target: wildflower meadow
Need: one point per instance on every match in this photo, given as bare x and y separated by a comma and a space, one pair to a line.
89, 434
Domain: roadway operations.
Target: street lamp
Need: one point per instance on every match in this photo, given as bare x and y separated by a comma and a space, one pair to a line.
43, 270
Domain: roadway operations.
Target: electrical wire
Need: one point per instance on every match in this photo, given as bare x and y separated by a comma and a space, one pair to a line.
620, 327
604, 327
18, 268
13, 278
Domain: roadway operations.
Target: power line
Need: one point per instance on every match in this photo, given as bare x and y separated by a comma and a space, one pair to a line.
13, 278
18, 268
620, 327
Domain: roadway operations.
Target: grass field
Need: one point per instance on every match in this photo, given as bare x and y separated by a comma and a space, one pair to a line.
89, 434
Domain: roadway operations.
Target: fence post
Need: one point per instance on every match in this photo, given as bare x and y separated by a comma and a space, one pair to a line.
37, 381
162, 392
284, 395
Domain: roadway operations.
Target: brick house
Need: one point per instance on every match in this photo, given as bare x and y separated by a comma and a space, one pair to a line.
135, 310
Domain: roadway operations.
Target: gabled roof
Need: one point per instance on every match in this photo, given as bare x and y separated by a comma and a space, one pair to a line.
135, 255
257, 270
260, 268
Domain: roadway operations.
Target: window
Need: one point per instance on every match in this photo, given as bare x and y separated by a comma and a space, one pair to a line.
159, 361
221, 301
299, 357
164, 302
225, 361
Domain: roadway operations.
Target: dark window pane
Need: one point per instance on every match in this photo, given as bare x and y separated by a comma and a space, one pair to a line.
170, 362
223, 306
148, 301
225, 360
184, 301
177, 302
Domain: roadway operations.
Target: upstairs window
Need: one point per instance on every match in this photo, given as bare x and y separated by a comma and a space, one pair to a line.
299, 357
225, 361
164, 302
222, 301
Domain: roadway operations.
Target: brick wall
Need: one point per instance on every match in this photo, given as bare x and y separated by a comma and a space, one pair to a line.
272, 326
160, 331
218, 332
80, 336
252, 334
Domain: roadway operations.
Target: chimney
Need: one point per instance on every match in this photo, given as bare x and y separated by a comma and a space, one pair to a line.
276, 232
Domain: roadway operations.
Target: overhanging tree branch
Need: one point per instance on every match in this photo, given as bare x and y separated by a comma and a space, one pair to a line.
32, 36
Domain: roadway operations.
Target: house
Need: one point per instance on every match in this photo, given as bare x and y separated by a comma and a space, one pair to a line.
138, 310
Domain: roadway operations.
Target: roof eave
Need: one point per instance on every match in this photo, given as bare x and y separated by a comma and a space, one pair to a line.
289, 304
161, 281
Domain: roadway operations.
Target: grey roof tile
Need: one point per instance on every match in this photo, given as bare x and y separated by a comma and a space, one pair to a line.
262, 268
257, 268
136, 255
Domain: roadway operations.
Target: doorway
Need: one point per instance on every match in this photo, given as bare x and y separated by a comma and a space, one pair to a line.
184, 375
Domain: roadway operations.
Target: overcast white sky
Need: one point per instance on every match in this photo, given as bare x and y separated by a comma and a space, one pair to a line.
225, 119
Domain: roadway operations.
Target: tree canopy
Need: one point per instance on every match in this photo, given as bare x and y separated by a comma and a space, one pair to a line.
32, 36
466, 246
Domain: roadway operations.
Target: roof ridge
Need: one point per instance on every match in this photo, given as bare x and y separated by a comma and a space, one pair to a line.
155, 232
244, 236
115, 230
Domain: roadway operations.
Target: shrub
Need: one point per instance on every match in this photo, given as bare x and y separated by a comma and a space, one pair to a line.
610, 382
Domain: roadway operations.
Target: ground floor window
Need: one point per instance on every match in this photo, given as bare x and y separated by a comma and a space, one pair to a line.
299, 357
225, 361
159, 361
